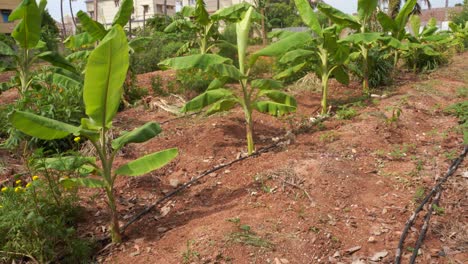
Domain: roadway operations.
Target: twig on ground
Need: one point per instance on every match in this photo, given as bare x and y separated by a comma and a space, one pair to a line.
300, 188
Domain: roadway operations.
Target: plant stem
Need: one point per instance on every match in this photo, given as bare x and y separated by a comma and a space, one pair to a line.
249, 128
365, 72
325, 75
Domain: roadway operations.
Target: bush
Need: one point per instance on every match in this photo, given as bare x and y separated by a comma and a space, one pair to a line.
37, 219
193, 80
162, 46
63, 104
380, 68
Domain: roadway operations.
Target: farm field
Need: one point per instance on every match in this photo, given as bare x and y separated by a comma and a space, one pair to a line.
211, 137
362, 175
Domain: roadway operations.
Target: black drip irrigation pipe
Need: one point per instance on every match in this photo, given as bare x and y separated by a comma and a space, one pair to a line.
179, 117
436, 190
187, 184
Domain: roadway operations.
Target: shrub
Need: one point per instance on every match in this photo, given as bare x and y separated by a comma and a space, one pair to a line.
37, 218
63, 104
380, 68
193, 80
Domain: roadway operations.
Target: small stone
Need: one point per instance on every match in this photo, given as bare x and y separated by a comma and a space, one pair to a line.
139, 240
213, 174
284, 261
161, 229
227, 171
277, 261
379, 256
174, 182
371, 239
353, 250
337, 254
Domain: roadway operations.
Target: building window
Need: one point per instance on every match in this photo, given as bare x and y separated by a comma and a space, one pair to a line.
91, 14
5, 14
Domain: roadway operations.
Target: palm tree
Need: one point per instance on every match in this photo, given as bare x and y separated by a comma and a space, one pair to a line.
71, 11
394, 6
63, 21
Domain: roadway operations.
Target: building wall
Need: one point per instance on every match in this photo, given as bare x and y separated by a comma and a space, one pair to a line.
6, 6
212, 5
107, 9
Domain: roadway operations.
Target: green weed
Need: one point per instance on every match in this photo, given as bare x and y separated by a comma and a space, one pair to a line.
189, 254
329, 137
345, 113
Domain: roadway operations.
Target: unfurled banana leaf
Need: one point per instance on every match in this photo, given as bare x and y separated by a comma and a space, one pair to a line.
205, 99
147, 163
222, 105
95, 29
198, 61
273, 108
138, 135
124, 13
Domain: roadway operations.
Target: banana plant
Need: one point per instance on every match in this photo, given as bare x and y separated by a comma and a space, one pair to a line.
29, 48
263, 95
426, 46
196, 19
319, 50
105, 73
397, 27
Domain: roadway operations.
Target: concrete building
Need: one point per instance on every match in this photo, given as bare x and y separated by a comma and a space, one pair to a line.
143, 9
6, 6
213, 5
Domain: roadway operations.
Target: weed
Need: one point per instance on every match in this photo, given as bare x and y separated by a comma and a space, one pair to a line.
419, 194
395, 117
451, 155
157, 86
314, 229
329, 137
438, 210
246, 236
345, 113
462, 92
189, 254
401, 152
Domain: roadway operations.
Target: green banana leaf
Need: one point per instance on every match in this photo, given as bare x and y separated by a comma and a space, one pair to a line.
308, 15
415, 22
290, 71
105, 74
201, 15
243, 30
138, 135
199, 61
366, 8
293, 55
207, 98
41, 127
28, 31
233, 13
80, 40
226, 71
6, 50
402, 17
95, 29
279, 97
362, 38
222, 105
124, 13
387, 23
267, 84
57, 60
273, 108
338, 17
276, 49
82, 182
147, 163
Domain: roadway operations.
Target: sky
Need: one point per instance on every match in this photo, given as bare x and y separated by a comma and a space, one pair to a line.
348, 6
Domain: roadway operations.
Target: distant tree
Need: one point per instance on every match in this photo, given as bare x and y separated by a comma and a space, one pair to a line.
461, 18
394, 6
50, 33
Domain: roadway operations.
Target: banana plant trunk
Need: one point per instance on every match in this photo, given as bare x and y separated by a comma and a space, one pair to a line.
325, 76
365, 71
249, 130
264, 33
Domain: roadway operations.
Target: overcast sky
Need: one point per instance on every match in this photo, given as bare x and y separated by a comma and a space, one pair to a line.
348, 6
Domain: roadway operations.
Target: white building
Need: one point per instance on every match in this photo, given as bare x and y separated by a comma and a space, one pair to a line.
143, 9
213, 5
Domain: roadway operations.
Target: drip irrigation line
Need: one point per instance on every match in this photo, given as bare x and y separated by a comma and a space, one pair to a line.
187, 184
425, 226
434, 191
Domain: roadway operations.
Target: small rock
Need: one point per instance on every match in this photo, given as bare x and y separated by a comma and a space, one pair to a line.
227, 171
379, 256
371, 239
337, 254
139, 240
284, 261
161, 229
352, 250
174, 182
219, 183
213, 174
277, 261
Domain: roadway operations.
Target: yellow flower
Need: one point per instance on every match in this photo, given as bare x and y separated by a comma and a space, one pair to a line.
4, 189
77, 139
18, 189
28, 185
18, 182
35, 177
1, 206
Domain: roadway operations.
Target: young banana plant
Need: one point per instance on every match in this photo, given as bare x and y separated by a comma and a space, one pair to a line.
319, 50
397, 27
105, 73
30, 48
263, 95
